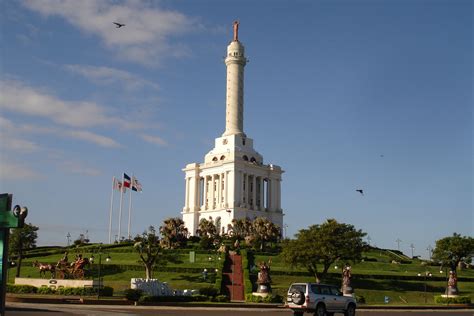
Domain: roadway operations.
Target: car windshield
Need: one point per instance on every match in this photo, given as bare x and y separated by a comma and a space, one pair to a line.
298, 287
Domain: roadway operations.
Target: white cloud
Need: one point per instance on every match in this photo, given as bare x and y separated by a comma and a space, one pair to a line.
19, 98
109, 76
156, 140
15, 171
144, 39
93, 138
10, 132
79, 168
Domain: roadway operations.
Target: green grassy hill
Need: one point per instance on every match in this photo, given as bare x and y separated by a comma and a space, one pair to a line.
374, 278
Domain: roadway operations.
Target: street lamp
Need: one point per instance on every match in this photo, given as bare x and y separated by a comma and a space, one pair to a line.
108, 258
425, 275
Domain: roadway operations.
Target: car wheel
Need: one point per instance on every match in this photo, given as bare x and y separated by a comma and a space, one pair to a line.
350, 311
320, 310
297, 297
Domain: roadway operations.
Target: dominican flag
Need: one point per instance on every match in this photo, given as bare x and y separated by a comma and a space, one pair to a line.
136, 186
126, 181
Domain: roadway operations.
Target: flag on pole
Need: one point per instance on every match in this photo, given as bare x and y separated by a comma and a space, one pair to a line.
136, 186
126, 180
117, 184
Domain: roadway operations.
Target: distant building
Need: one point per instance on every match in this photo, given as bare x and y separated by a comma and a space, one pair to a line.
233, 182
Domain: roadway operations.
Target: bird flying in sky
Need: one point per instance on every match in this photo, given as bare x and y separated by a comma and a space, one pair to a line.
360, 191
118, 25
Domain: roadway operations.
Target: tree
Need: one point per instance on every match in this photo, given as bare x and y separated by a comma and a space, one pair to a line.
241, 228
81, 240
454, 249
148, 247
22, 239
263, 231
173, 232
322, 245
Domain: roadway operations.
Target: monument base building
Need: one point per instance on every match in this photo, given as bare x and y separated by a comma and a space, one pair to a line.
233, 182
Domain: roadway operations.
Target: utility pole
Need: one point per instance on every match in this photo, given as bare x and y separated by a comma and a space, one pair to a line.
68, 236
398, 241
430, 251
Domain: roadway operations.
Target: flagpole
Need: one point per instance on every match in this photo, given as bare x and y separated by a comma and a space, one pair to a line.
120, 212
130, 207
111, 209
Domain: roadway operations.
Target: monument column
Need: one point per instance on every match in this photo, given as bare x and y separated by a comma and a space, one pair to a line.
235, 62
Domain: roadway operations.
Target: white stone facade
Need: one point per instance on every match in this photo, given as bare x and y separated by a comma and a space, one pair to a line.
233, 182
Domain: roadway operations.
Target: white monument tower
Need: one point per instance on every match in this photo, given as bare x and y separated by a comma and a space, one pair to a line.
233, 182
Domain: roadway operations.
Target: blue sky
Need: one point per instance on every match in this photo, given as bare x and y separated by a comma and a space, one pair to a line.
343, 95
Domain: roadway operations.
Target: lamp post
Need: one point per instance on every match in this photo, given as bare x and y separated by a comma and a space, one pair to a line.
99, 252
425, 275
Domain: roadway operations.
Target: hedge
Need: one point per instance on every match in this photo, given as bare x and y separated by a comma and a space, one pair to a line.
439, 299
80, 291
248, 287
267, 299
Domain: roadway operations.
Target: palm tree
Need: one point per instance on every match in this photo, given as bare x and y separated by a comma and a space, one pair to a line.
265, 231
173, 233
241, 228
207, 228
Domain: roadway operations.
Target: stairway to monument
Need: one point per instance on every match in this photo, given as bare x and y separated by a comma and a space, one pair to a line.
232, 278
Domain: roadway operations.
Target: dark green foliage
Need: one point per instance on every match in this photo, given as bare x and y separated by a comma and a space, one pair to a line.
360, 299
221, 299
452, 300
248, 287
21, 289
133, 294
22, 239
267, 299
452, 250
209, 291
322, 245
107, 291
46, 290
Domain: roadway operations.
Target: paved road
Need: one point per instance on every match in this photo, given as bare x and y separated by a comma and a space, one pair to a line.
23, 309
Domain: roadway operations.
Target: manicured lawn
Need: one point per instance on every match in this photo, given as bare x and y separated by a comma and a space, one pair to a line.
374, 290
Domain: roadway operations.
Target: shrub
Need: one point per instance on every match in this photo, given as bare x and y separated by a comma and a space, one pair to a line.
21, 289
200, 298
107, 291
267, 299
221, 298
133, 294
46, 290
209, 291
439, 299
360, 299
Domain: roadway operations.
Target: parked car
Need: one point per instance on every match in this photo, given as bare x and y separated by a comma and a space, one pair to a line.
320, 299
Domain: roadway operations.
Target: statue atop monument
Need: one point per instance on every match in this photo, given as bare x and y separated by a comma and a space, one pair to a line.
236, 30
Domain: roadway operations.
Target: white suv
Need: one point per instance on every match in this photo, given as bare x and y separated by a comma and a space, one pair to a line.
320, 299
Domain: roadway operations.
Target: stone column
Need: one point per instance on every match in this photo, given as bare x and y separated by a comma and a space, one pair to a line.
262, 205
213, 191
186, 200
254, 192
205, 201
